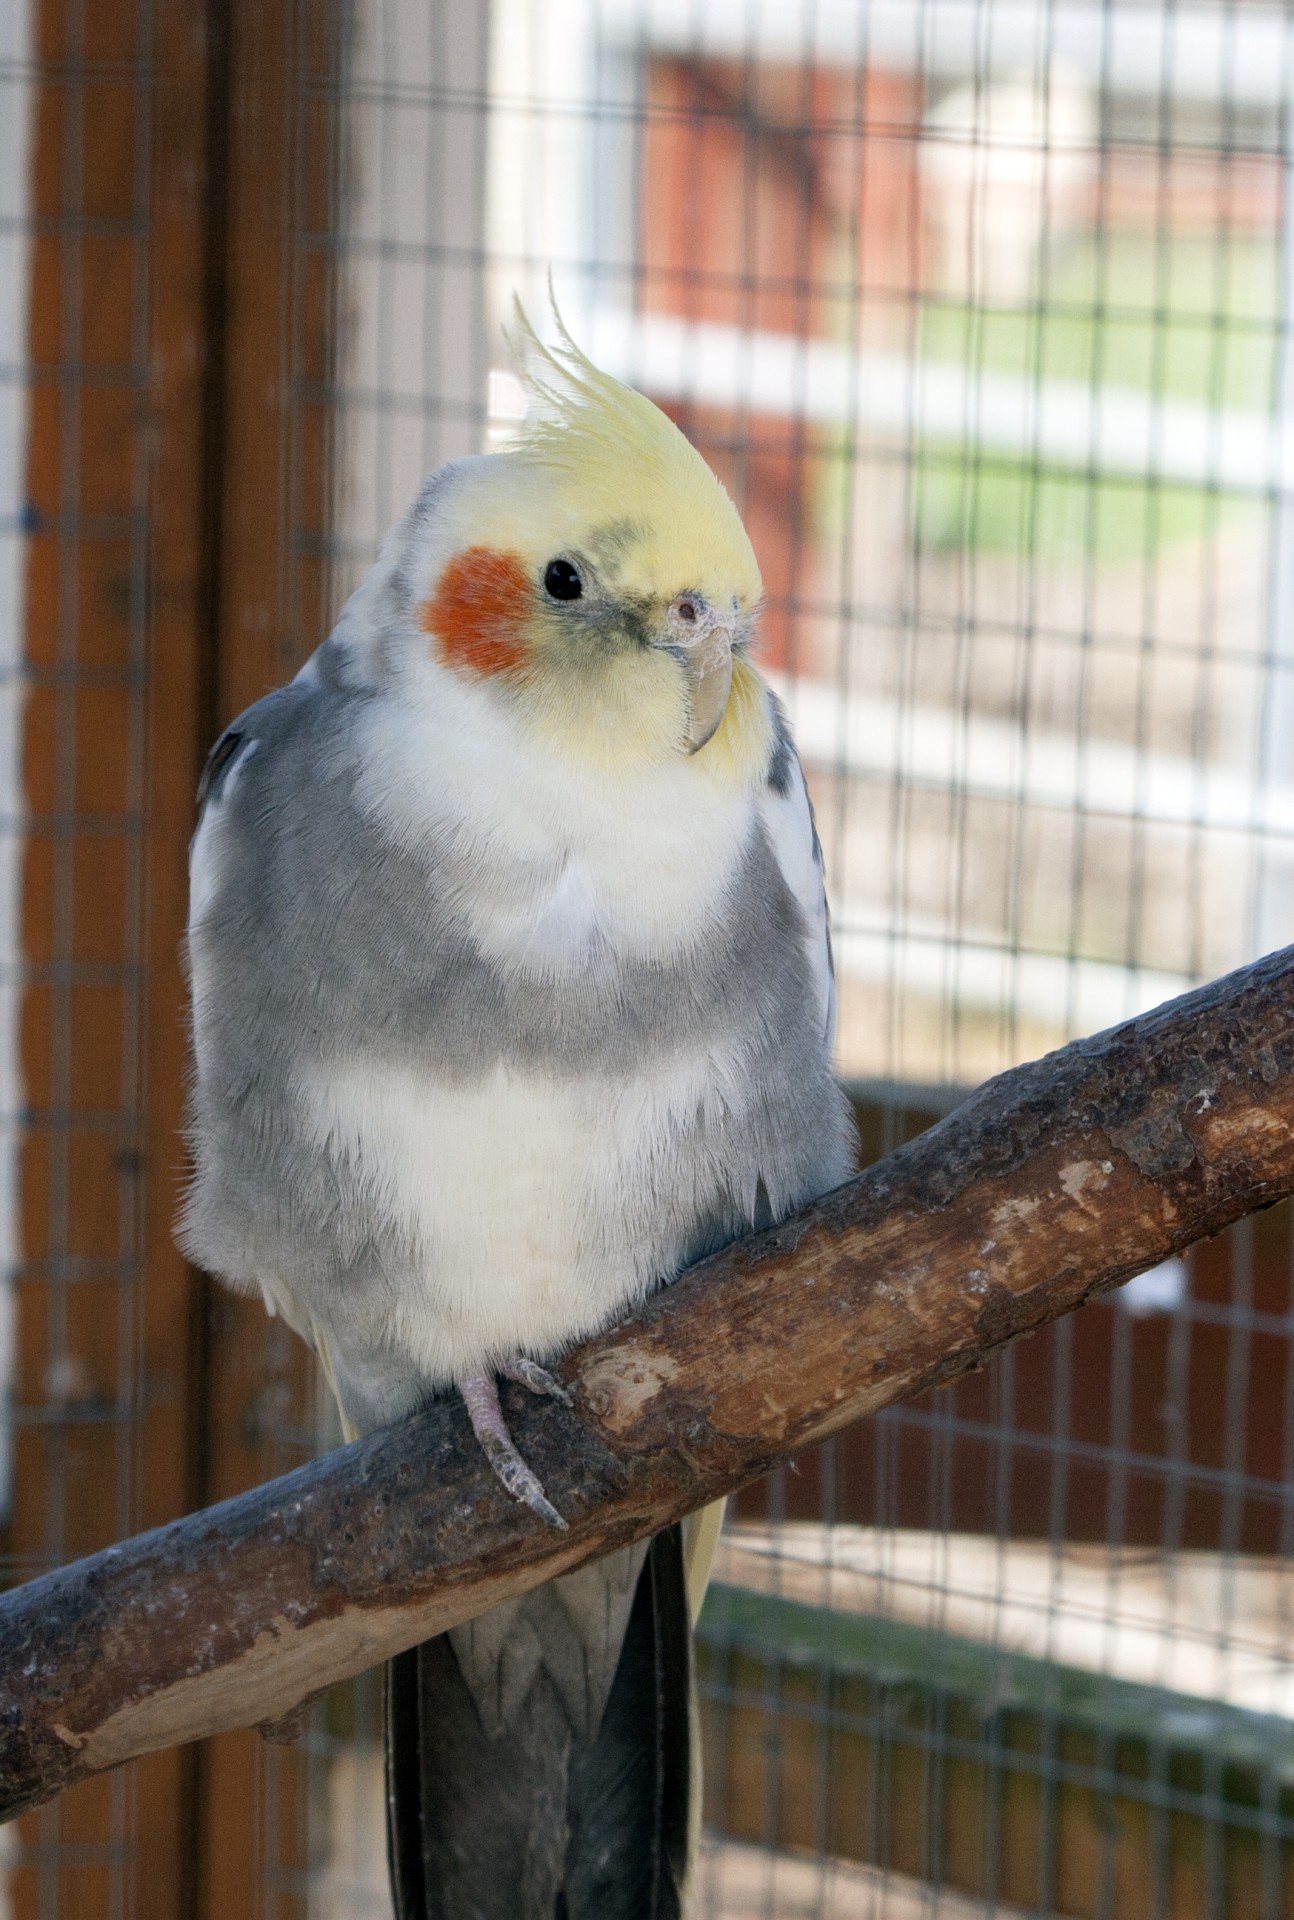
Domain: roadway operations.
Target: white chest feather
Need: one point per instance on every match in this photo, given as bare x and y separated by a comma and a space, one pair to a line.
548, 857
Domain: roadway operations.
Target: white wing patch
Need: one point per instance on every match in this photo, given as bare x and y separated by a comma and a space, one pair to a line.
207, 846
207, 851
788, 820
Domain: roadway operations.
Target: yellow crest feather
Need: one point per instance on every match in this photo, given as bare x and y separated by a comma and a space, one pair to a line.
619, 462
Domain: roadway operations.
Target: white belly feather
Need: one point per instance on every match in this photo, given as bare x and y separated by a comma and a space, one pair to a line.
534, 1203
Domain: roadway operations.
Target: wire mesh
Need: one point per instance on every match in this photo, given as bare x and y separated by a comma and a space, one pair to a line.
71, 909
984, 310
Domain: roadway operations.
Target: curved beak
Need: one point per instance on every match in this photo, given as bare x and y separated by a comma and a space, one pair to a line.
704, 651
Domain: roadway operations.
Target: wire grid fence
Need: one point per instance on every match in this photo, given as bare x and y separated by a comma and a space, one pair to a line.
984, 309
71, 953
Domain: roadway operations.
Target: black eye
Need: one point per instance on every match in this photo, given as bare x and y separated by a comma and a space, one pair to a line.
562, 581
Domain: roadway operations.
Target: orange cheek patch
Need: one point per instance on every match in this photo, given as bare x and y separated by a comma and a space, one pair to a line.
479, 610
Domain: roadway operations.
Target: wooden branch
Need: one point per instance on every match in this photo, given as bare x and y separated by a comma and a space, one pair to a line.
1050, 1184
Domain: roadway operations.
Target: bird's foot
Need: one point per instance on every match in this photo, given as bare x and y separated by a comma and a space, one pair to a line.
529, 1373
480, 1396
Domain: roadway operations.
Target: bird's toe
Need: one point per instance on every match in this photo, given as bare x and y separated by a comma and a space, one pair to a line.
529, 1373
480, 1396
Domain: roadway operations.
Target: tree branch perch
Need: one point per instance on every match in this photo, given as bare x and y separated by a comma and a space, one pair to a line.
1051, 1183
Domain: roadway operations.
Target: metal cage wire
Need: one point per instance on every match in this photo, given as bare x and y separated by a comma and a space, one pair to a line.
984, 310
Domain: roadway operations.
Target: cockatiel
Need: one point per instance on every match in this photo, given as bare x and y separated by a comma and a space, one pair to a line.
511, 998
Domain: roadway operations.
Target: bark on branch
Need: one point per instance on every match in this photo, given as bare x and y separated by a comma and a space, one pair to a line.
1051, 1183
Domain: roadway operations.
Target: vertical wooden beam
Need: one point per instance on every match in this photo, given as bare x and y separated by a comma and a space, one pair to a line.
117, 339
273, 149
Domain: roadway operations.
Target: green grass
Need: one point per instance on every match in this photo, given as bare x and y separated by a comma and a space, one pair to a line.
1005, 507
1192, 321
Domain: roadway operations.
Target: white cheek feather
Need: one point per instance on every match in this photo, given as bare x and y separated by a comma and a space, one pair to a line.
528, 1202
567, 925
553, 855
789, 824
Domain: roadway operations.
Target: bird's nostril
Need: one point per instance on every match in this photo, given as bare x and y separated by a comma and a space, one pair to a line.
687, 610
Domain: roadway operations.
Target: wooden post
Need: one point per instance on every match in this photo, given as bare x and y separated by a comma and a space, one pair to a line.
111, 649
272, 166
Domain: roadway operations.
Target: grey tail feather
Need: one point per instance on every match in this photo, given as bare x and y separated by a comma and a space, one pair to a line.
538, 1824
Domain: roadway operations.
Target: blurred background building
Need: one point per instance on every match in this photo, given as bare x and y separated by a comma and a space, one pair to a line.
984, 310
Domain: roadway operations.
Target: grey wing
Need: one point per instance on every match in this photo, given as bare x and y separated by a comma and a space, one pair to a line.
243, 800
270, 729
218, 816
274, 1206
244, 939
793, 836
218, 871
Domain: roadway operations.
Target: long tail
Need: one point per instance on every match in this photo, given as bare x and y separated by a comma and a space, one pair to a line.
541, 1761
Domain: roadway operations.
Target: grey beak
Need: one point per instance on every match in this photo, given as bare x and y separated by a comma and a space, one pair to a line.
701, 641
709, 674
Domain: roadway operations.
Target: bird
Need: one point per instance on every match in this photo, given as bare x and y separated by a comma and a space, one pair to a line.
512, 998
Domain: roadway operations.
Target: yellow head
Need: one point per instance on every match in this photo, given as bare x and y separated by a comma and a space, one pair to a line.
597, 573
